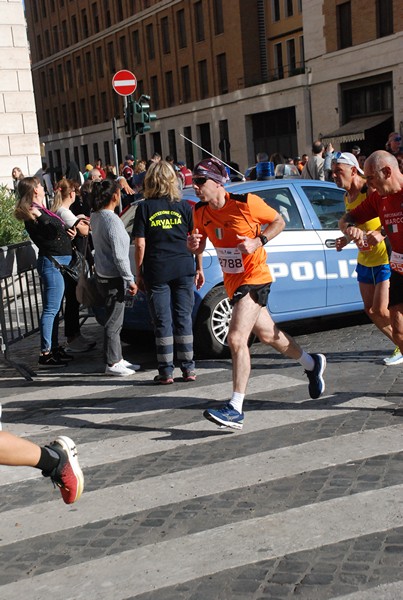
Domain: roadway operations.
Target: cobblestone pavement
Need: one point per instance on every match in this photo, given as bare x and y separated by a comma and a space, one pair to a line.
305, 502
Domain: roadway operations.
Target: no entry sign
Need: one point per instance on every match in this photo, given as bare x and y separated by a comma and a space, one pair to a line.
124, 82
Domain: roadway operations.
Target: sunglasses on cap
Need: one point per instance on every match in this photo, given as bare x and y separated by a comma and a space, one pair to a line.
199, 180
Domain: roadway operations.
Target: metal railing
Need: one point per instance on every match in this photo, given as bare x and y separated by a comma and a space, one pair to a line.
21, 300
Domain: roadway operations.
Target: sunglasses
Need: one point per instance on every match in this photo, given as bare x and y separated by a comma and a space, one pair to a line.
397, 139
199, 180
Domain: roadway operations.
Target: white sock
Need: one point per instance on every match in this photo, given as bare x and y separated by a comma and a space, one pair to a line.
306, 361
237, 401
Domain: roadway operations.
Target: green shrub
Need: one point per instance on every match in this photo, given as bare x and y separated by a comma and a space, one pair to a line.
11, 230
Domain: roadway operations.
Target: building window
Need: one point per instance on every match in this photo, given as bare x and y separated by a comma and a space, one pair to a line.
35, 9
278, 61
69, 72
299, 3
84, 23
86, 156
56, 119
104, 106
107, 155
172, 144
181, 25
107, 13
166, 44
301, 52
94, 111
44, 8
47, 43
65, 120
384, 17
44, 87
169, 85
140, 87
67, 155
123, 52
199, 21
95, 16
370, 98
74, 115
154, 91
76, 155
100, 61
218, 17
150, 41
187, 132
64, 34
291, 58
39, 47
83, 113
55, 38
203, 79
89, 67
119, 4
136, 46
111, 57
52, 81
222, 73
275, 10
344, 31
60, 80
79, 72
74, 29
185, 77
289, 8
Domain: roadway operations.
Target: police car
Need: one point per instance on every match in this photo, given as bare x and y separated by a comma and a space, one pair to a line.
310, 278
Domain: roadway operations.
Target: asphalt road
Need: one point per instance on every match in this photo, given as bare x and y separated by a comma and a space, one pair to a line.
305, 502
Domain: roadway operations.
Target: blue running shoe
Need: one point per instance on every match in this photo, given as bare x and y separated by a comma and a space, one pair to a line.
227, 416
316, 381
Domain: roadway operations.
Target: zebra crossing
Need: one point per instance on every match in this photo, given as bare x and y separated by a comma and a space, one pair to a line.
305, 501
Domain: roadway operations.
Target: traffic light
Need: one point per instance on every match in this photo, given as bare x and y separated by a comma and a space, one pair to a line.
144, 117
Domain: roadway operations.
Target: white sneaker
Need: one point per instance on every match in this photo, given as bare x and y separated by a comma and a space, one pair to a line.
79, 344
132, 367
118, 370
395, 358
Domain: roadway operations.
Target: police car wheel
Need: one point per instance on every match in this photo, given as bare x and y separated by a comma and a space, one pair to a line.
212, 324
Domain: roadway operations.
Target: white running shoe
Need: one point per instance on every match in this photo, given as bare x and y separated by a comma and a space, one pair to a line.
395, 358
131, 366
118, 370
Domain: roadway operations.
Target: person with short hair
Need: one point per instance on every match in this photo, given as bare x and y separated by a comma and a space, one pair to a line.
314, 168
382, 173
373, 270
234, 225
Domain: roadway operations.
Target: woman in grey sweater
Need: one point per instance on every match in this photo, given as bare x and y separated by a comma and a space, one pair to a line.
112, 266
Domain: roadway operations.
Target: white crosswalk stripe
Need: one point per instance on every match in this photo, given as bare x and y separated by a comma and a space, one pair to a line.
150, 566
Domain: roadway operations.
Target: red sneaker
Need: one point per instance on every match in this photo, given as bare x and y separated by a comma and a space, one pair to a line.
68, 475
189, 376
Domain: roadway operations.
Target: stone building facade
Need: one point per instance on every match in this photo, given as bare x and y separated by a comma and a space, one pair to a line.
19, 140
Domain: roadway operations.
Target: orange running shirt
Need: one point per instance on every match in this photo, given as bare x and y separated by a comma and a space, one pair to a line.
242, 214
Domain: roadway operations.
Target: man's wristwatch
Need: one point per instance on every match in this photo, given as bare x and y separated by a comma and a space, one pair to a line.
263, 239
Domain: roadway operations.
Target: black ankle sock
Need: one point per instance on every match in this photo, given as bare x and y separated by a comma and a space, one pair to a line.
48, 461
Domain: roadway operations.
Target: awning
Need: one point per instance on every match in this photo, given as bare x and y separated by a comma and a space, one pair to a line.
354, 130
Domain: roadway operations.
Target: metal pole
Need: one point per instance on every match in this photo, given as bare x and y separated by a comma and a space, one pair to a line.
115, 144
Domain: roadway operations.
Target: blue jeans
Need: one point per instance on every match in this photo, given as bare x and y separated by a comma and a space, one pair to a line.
171, 306
52, 296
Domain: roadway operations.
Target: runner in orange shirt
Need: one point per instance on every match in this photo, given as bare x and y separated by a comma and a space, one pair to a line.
233, 223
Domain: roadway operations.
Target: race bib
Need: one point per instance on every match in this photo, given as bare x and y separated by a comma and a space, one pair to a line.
396, 262
230, 260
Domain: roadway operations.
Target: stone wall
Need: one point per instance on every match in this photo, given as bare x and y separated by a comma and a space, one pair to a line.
19, 141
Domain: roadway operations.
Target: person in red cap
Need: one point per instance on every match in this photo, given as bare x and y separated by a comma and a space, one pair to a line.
233, 223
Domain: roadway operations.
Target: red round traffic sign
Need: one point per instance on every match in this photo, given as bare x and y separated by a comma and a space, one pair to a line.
124, 82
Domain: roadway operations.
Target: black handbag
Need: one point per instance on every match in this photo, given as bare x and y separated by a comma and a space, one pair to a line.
76, 266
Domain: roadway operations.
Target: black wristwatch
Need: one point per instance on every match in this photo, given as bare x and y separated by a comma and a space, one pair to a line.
263, 239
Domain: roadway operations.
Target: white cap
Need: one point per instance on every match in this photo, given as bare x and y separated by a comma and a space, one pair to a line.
346, 158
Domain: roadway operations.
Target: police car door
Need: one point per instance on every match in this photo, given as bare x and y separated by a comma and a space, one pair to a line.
292, 257
327, 202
